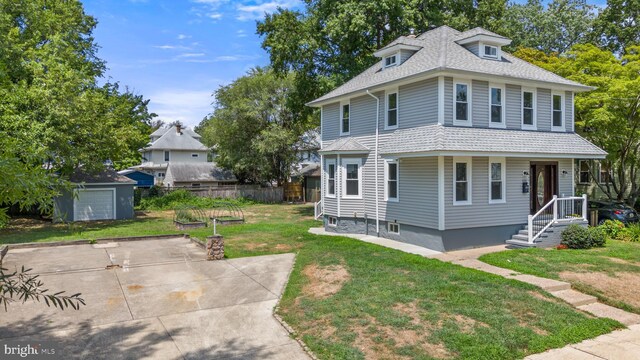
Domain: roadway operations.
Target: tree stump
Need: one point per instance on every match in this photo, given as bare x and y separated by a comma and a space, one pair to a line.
215, 247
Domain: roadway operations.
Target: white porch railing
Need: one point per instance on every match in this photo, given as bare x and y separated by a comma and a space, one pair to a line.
557, 210
317, 209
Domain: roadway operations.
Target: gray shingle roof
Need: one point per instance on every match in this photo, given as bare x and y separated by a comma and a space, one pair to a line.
345, 145
193, 172
438, 138
478, 31
171, 140
163, 130
440, 52
106, 176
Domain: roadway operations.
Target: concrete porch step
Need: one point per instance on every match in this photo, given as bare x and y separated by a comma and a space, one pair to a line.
521, 243
575, 298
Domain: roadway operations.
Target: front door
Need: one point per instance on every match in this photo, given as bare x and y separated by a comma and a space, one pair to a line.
544, 184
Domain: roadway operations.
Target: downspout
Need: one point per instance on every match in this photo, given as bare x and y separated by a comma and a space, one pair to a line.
376, 162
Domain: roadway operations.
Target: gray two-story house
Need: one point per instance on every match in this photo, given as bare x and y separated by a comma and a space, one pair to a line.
450, 142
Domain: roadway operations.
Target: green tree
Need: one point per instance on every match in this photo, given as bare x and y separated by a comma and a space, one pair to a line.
609, 116
554, 28
616, 27
253, 129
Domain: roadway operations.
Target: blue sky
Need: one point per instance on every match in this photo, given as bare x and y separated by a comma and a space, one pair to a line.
177, 52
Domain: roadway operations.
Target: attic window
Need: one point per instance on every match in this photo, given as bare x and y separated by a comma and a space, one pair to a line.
390, 61
490, 51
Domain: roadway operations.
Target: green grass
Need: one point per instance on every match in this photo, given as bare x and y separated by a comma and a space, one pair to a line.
391, 304
612, 260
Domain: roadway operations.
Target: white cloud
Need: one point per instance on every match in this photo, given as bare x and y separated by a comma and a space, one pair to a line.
241, 33
183, 36
214, 16
189, 55
188, 106
235, 57
171, 47
257, 11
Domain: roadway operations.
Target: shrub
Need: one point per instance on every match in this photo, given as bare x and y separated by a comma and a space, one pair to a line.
629, 234
576, 237
181, 198
597, 236
612, 228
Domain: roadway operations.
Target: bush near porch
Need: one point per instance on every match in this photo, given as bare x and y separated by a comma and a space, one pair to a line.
353, 300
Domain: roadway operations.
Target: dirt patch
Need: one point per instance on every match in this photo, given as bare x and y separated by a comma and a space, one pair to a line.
466, 324
622, 286
192, 295
134, 288
539, 296
324, 281
409, 309
283, 247
253, 246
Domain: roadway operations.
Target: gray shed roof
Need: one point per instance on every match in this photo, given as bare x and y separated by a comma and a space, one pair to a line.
345, 145
195, 172
445, 139
172, 140
107, 176
440, 52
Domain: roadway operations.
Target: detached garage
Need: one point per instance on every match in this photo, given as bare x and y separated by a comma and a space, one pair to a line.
103, 196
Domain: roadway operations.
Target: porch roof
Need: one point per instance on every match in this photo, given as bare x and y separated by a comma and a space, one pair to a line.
434, 140
345, 145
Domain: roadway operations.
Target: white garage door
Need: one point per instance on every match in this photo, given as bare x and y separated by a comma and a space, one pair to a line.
94, 204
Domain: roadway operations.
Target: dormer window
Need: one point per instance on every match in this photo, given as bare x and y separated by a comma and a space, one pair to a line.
490, 51
390, 61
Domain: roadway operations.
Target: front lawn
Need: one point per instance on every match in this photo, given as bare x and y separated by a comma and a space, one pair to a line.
611, 273
353, 300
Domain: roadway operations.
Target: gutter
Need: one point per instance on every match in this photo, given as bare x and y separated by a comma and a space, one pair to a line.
375, 156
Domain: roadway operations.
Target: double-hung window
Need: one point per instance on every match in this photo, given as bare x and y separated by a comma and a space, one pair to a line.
331, 178
392, 181
583, 171
497, 175
352, 183
392, 110
528, 109
496, 104
345, 114
167, 155
461, 103
605, 174
557, 106
461, 181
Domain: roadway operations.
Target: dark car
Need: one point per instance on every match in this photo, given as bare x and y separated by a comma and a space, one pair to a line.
613, 210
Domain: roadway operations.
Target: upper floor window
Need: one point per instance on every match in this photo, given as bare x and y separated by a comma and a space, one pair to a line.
497, 106
392, 181
528, 109
461, 97
331, 178
583, 171
558, 111
391, 60
166, 155
194, 155
351, 179
344, 119
392, 110
490, 51
461, 181
605, 174
497, 175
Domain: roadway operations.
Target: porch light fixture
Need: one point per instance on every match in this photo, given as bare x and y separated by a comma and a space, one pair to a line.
564, 173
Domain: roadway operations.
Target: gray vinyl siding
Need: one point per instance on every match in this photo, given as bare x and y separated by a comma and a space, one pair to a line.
543, 109
418, 193
330, 121
363, 116
569, 117
474, 48
565, 182
448, 101
513, 99
479, 103
405, 54
418, 104
480, 213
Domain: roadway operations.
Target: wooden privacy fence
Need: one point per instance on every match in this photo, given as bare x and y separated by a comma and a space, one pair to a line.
257, 193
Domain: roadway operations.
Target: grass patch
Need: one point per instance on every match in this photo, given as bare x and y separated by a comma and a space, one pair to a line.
353, 300
611, 273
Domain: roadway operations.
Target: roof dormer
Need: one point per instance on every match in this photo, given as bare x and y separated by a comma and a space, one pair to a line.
483, 43
396, 53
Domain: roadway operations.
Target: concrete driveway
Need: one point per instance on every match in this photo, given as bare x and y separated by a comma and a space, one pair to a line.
162, 300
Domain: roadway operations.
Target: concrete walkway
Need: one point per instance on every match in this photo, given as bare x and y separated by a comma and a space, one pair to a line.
157, 299
398, 245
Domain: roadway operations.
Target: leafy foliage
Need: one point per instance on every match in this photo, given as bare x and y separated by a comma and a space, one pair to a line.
580, 237
184, 198
612, 228
22, 286
616, 27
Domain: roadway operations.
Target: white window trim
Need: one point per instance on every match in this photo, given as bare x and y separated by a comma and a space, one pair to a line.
534, 126
469, 121
503, 179
335, 221
389, 228
342, 104
386, 105
481, 46
351, 161
503, 123
395, 63
386, 181
564, 112
588, 172
335, 175
466, 160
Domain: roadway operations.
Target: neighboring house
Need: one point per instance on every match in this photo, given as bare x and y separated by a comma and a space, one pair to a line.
310, 177
103, 196
307, 150
198, 175
590, 173
171, 145
142, 179
448, 142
